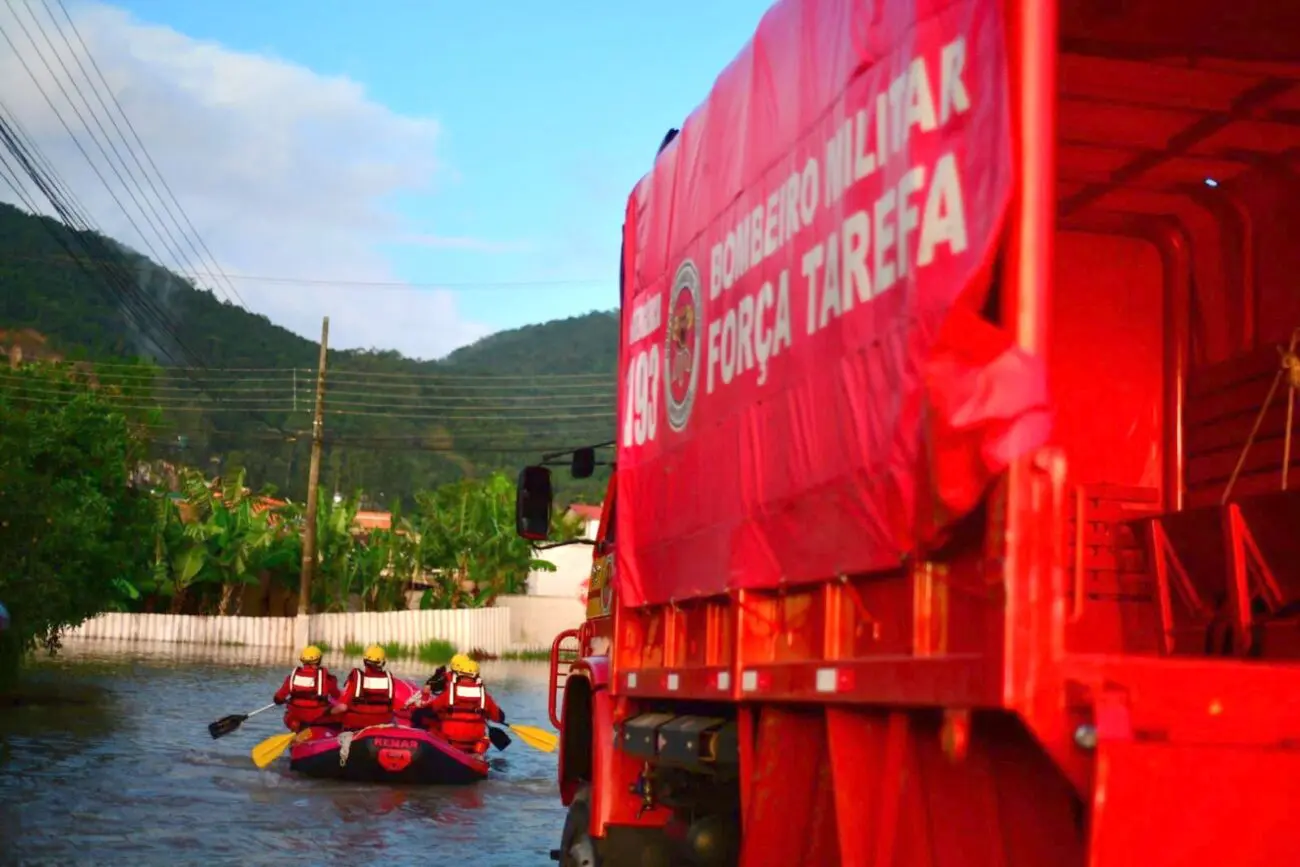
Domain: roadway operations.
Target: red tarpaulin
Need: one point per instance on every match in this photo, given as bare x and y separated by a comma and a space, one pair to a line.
804, 361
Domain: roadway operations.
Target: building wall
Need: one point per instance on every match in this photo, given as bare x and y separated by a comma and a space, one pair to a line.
536, 620
572, 569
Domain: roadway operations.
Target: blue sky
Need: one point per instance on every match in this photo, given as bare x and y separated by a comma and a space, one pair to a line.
550, 112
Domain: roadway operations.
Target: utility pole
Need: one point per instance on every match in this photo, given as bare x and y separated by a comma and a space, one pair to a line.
302, 627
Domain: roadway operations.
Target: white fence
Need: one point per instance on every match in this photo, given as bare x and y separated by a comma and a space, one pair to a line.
486, 629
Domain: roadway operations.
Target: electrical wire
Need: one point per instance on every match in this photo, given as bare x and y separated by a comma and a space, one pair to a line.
138, 305
193, 233
104, 152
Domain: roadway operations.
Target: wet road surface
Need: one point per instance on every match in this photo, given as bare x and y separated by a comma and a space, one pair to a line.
132, 777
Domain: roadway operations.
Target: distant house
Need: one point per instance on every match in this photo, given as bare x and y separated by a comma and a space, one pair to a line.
25, 344
587, 512
258, 504
367, 519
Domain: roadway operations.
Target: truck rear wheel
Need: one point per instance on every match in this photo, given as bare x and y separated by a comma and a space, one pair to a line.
577, 849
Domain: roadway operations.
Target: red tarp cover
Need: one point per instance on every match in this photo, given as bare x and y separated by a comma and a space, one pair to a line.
802, 354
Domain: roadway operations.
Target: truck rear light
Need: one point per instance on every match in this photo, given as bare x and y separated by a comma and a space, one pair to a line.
755, 681
834, 679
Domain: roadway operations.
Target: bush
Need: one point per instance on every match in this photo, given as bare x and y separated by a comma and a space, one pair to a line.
74, 534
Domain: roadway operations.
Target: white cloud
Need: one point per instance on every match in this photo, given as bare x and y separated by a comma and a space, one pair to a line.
282, 171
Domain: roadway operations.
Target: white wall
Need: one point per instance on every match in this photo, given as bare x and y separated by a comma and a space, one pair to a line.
572, 568
536, 620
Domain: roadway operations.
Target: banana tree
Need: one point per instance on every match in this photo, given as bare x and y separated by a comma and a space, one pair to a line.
468, 536
239, 542
180, 553
336, 552
387, 560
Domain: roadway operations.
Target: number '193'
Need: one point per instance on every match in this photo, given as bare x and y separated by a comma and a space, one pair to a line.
641, 409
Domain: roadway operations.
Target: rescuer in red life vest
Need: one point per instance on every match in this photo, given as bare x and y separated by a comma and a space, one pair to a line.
421, 703
309, 689
464, 707
368, 693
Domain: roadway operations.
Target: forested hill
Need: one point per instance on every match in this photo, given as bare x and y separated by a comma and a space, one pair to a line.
399, 425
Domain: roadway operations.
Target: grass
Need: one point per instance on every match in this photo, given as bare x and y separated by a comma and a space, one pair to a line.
323, 645
527, 655
435, 652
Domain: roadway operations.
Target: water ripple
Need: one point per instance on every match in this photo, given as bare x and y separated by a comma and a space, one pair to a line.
132, 777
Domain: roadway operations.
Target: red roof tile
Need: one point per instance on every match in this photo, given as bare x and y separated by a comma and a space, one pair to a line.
586, 511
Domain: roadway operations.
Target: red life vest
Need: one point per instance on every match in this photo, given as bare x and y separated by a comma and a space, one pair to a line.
466, 699
307, 687
374, 689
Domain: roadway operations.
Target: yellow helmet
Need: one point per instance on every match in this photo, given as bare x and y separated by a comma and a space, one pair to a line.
310, 655
462, 664
375, 655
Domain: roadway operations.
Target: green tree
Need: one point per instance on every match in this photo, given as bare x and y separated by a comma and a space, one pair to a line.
213, 536
74, 533
468, 541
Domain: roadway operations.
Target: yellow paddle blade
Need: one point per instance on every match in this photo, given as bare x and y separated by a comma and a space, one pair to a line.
270, 749
538, 739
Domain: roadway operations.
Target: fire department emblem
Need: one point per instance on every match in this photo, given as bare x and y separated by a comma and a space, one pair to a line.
682, 345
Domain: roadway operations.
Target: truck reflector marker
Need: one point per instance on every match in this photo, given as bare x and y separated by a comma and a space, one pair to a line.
672, 681
754, 681
724, 680
834, 680
631, 680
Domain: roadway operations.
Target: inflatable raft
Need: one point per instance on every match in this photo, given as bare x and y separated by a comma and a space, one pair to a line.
386, 754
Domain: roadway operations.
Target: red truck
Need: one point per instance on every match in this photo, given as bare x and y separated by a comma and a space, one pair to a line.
951, 522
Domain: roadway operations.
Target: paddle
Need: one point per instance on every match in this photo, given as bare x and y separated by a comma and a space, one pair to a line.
499, 739
270, 749
538, 739
228, 724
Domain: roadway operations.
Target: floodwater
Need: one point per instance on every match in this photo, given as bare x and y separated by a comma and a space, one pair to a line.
132, 777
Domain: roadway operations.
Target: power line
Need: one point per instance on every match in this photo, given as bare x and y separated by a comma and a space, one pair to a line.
268, 399
152, 407
299, 385
58, 80
472, 377
32, 163
149, 157
512, 418
133, 300
336, 370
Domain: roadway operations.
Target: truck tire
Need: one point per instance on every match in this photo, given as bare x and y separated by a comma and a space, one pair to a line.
577, 849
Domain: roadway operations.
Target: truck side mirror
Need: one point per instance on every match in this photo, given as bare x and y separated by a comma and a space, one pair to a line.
584, 463
533, 503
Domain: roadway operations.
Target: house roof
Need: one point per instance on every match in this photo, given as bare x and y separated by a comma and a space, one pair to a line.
373, 520
586, 511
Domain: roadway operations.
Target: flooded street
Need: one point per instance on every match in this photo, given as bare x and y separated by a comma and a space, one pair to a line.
131, 776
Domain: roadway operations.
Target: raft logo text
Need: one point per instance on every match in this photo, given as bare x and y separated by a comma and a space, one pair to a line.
915, 214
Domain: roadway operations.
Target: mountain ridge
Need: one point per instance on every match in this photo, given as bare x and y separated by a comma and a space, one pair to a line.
81, 306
